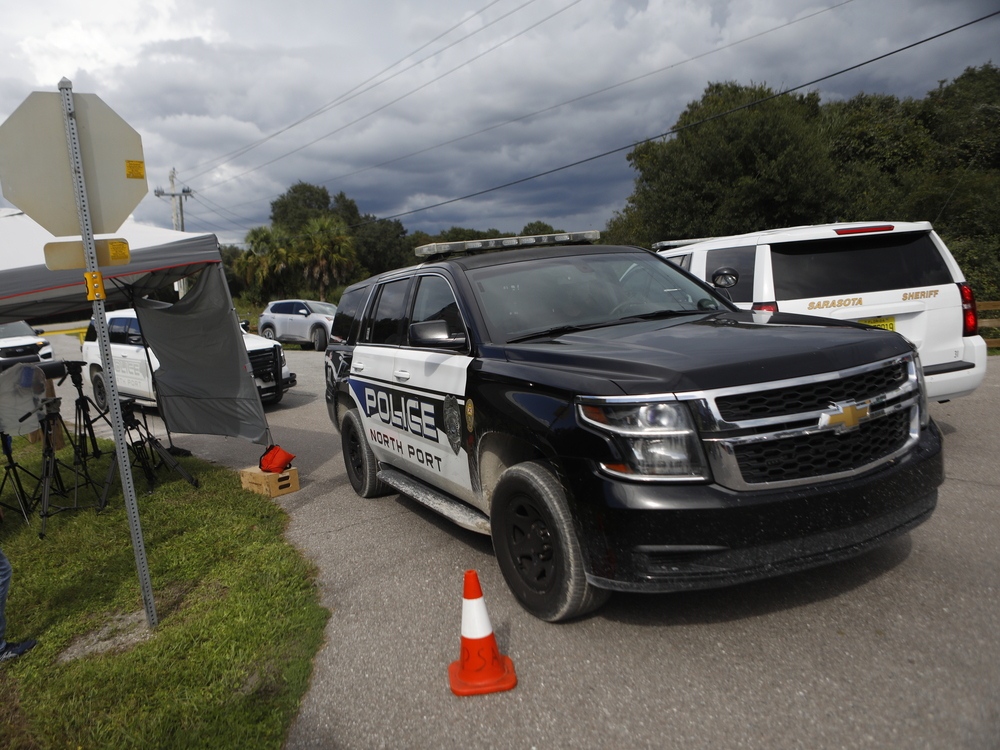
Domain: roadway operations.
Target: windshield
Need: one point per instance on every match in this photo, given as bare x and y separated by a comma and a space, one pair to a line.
323, 308
519, 299
18, 328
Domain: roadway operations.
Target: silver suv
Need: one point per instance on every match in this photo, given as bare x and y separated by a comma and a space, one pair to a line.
298, 321
894, 275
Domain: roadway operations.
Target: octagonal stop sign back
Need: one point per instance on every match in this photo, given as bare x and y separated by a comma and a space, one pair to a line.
35, 168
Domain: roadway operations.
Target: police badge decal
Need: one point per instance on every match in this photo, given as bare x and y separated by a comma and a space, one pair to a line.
453, 422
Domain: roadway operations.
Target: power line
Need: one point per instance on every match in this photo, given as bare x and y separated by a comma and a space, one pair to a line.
579, 98
398, 99
585, 96
346, 96
673, 131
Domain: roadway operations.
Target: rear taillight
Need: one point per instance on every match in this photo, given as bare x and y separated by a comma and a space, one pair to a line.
970, 324
765, 307
865, 230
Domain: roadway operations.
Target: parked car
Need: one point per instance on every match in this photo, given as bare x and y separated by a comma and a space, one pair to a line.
615, 425
895, 275
297, 321
132, 370
18, 339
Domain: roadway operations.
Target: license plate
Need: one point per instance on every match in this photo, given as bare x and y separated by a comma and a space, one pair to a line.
888, 323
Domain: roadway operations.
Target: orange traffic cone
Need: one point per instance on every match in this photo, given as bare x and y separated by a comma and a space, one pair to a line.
481, 668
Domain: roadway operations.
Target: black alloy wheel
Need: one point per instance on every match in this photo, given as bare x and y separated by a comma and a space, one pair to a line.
359, 461
100, 387
536, 545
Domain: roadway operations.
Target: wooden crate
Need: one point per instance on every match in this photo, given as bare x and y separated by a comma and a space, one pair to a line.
269, 483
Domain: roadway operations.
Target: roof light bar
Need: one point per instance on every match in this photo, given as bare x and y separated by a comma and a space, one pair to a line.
503, 243
864, 230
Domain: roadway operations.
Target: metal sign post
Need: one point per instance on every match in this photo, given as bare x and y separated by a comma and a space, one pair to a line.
95, 291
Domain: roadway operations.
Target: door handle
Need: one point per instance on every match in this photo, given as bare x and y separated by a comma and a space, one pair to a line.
401, 375
358, 366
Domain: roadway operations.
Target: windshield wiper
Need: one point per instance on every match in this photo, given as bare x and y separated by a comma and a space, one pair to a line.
561, 330
665, 314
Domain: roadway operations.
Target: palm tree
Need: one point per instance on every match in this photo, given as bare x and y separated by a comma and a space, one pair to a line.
326, 253
266, 265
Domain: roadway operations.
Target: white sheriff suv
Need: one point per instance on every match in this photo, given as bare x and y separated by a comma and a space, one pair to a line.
132, 370
894, 275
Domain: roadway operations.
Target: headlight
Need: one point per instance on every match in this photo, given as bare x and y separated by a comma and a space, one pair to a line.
655, 440
925, 412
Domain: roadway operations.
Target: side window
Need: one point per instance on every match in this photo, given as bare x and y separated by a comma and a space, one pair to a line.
740, 258
347, 309
684, 261
117, 328
282, 308
132, 334
435, 301
385, 322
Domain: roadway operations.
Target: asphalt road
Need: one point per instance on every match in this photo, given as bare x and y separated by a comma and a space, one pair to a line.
899, 648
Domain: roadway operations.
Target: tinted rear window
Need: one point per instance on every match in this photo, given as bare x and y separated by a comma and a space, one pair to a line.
854, 265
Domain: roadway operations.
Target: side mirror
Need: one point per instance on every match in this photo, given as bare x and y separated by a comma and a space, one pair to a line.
38, 331
245, 325
434, 334
135, 339
725, 277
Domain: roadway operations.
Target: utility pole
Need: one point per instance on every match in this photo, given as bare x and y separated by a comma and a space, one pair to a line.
184, 193
183, 285
173, 198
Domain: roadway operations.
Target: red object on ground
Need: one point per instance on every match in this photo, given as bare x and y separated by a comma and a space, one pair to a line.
481, 668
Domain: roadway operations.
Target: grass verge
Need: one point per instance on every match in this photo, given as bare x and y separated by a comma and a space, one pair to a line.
239, 618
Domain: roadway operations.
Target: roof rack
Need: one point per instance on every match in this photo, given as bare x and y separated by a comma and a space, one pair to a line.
506, 243
678, 243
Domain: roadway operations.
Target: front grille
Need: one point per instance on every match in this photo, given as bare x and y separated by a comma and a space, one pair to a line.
817, 396
823, 453
20, 351
262, 361
803, 430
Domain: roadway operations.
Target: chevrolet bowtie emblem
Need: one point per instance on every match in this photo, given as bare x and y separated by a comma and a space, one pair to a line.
846, 416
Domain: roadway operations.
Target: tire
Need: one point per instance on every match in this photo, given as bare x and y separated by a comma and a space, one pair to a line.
358, 458
267, 332
100, 386
537, 547
319, 338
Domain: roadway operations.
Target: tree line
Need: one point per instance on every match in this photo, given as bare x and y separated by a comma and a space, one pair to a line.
739, 159
316, 244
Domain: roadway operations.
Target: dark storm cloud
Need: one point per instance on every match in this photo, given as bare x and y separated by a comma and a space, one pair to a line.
202, 81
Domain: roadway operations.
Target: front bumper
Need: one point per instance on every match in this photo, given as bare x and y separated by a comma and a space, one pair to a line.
663, 537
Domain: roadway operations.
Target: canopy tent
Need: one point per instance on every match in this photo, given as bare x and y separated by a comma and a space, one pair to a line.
29, 290
205, 382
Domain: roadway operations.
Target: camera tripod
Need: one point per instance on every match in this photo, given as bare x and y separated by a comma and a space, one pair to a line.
51, 480
10, 474
147, 452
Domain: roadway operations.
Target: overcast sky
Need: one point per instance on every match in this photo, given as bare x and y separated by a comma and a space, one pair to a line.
403, 105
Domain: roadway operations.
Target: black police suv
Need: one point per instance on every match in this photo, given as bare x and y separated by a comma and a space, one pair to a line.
615, 424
